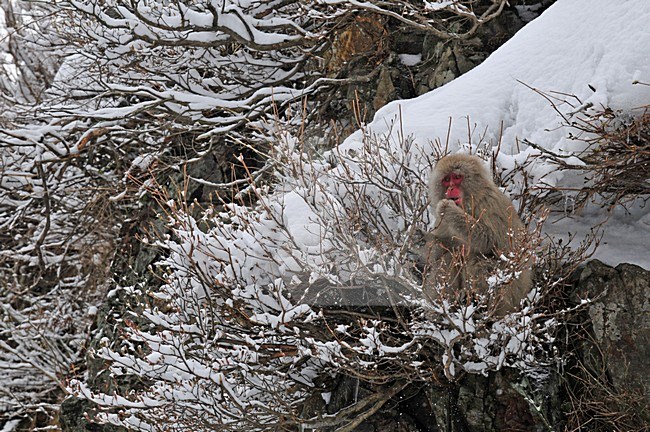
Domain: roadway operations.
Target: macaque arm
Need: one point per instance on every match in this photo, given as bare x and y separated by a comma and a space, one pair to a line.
456, 225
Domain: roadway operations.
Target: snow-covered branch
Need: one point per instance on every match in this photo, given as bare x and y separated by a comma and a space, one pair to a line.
320, 277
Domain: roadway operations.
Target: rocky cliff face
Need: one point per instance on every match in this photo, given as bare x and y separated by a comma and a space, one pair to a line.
620, 321
609, 382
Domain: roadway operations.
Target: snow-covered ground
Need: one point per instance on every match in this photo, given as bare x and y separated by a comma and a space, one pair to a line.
596, 50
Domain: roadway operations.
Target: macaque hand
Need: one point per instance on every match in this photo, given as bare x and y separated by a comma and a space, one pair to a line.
447, 206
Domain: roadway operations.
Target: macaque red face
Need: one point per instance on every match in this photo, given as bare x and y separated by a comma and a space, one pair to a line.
452, 185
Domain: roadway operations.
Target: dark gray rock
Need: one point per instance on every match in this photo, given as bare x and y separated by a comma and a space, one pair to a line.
620, 321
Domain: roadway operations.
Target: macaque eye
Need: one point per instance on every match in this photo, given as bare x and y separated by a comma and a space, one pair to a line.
446, 180
456, 176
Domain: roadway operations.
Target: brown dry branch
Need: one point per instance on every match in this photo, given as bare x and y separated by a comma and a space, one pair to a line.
616, 157
458, 19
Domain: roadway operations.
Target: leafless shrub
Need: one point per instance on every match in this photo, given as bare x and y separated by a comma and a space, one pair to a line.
96, 93
615, 160
319, 276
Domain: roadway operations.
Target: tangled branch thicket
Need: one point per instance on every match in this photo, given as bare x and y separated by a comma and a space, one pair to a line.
95, 93
318, 278
615, 160
596, 403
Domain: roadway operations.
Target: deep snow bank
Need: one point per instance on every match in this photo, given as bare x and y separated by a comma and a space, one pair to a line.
579, 53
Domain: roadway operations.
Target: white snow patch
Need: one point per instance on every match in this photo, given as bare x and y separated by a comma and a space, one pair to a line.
410, 59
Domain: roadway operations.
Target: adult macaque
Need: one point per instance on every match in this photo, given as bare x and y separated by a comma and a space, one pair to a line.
476, 224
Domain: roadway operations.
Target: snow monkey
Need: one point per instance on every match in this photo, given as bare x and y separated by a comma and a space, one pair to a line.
476, 225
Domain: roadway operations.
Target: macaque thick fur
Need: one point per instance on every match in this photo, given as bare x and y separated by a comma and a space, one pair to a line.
476, 224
